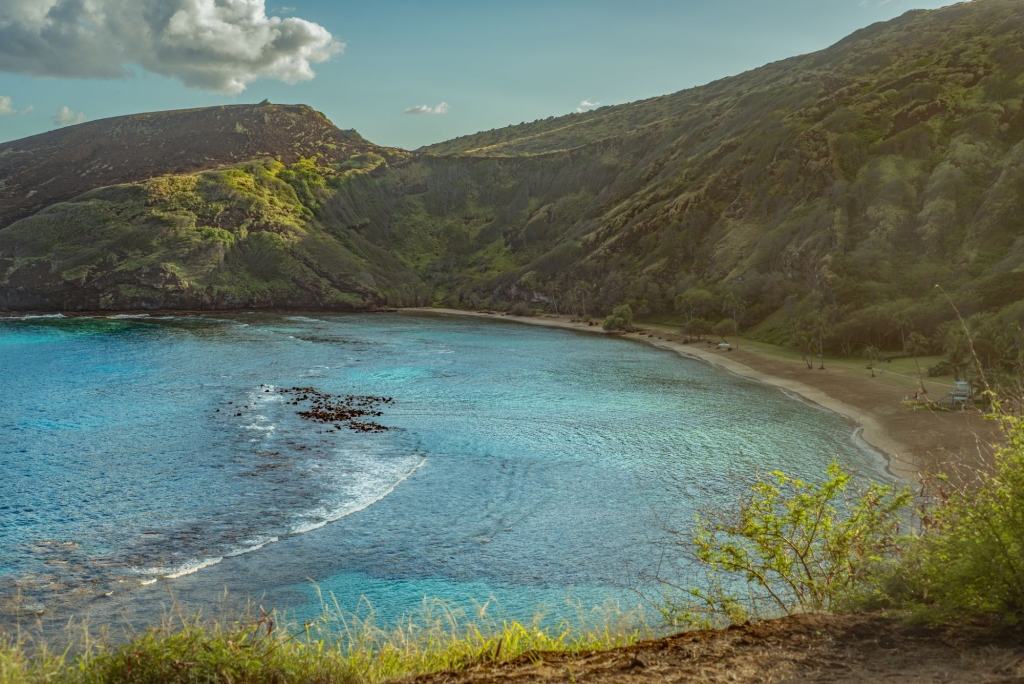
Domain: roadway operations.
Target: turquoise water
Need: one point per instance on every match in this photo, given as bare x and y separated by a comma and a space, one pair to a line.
523, 463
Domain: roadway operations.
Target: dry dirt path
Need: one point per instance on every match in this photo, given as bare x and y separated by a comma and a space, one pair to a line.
803, 648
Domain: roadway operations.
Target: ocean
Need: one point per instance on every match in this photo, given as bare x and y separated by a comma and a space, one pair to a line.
147, 457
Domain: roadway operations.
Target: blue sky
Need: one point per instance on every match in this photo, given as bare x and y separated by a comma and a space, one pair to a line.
492, 63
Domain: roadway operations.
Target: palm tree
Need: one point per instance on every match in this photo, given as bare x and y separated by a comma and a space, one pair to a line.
804, 341
821, 328
902, 320
735, 305
581, 289
918, 344
956, 347
871, 354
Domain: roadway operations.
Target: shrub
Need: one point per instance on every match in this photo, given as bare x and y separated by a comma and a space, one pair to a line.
939, 369
969, 558
697, 327
793, 547
796, 546
521, 309
723, 328
621, 319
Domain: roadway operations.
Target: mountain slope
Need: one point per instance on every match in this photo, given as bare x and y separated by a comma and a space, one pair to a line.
850, 181
163, 236
843, 184
56, 166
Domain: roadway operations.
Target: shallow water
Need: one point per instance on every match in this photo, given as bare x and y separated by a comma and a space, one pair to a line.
523, 463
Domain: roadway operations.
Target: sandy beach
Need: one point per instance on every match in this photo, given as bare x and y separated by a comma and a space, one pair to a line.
914, 444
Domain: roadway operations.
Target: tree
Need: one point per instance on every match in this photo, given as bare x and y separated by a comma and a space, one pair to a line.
804, 341
956, 347
918, 344
871, 354
697, 327
735, 306
723, 328
621, 319
901, 319
582, 288
694, 302
820, 328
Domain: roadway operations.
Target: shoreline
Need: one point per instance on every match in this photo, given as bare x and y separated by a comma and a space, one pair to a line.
912, 445
899, 459
870, 432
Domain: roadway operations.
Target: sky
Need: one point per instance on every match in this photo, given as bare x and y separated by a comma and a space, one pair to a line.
404, 73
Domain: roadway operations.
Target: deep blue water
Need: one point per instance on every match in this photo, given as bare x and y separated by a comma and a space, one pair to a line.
523, 463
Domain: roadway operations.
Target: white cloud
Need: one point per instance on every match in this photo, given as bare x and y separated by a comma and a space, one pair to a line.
425, 109
66, 117
587, 105
7, 107
219, 45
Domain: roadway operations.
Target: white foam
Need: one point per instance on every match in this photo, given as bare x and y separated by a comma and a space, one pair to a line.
260, 428
192, 567
28, 317
261, 394
338, 514
256, 546
187, 568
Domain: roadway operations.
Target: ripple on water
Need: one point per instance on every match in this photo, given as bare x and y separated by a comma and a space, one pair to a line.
165, 448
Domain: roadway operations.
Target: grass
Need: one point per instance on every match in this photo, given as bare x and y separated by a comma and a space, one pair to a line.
336, 647
900, 373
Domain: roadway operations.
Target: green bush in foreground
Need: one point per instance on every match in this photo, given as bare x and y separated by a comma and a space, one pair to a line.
335, 648
799, 547
969, 558
792, 547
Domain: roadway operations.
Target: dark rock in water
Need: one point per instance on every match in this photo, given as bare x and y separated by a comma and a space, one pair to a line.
350, 410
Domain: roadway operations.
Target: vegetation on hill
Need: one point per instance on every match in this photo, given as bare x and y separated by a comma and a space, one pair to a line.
827, 192
816, 201
239, 236
56, 166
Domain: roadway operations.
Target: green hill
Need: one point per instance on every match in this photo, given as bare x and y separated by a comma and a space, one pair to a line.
842, 184
851, 180
194, 209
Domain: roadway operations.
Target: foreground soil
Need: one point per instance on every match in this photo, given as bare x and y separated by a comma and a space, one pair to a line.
802, 648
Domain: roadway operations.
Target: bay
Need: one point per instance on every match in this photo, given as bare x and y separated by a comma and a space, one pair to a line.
522, 464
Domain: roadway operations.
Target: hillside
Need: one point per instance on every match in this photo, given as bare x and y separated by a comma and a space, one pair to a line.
194, 209
840, 185
848, 181
54, 167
